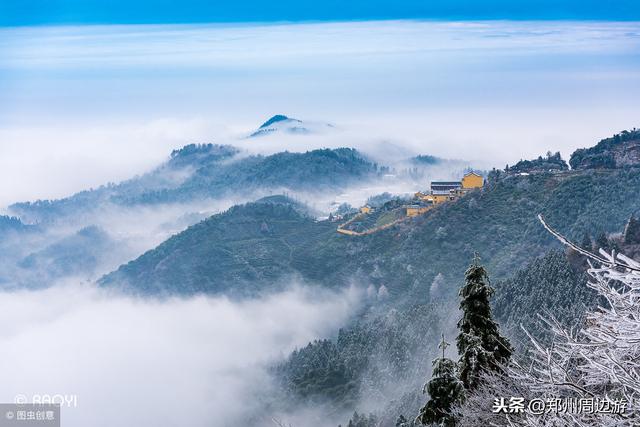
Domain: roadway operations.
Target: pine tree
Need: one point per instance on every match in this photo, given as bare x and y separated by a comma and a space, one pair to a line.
602, 242
358, 420
632, 231
437, 286
587, 244
445, 390
401, 421
480, 345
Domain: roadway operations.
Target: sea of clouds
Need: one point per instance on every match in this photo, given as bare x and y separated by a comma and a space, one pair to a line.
125, 361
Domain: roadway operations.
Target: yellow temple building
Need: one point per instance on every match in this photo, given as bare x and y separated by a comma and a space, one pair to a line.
472, 180
442, 191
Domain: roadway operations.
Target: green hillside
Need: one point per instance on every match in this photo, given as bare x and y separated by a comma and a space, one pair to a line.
254, 244
198, 172
239, 251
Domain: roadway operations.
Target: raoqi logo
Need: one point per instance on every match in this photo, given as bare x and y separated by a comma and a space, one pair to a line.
64, 400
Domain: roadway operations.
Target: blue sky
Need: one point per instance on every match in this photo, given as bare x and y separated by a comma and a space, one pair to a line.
37, 12
85, 105
76, 96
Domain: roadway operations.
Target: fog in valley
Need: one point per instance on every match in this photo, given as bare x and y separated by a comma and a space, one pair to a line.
131, 361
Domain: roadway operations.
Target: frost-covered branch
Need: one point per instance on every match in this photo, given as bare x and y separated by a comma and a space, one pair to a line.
600, 361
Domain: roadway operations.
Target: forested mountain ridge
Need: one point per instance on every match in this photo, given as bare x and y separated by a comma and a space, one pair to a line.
12, 224
77, 255
499, 222
552, 285
169, 175
551, 162
621, 150
197, 172
411, 271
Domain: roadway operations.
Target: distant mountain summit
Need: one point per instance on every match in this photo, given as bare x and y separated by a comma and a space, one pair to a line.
549, 163
283, 124
620, 151
278, 118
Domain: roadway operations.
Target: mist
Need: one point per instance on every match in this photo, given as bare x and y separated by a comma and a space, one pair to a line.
201, 361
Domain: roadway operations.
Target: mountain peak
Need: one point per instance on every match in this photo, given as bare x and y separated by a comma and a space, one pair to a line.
277, 118
619, 151
284, 124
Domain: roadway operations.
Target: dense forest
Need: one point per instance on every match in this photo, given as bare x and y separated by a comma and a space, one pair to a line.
376, 356
11, 223
549, 284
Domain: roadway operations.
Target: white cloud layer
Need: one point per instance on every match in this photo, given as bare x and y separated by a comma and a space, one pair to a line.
181, 362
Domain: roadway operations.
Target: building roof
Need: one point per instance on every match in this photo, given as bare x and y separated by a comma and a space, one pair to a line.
472, 173
445, 187
445, 183
420, 204
438, 187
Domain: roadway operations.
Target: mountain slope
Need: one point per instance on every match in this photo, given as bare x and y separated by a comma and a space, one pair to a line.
198, 172
79, 254
169, 176
499, 222
238, 251
549, 284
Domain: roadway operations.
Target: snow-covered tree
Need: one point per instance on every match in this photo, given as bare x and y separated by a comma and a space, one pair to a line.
594, 370
602, 241
480, 345
363, 420
632, 231
383, 292
476, 411
372, 292
445, 391
602, 359
401, 421
437, 286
